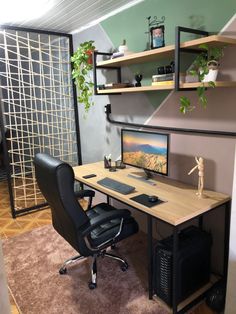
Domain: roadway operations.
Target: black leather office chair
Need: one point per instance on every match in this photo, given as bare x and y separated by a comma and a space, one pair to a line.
89, 232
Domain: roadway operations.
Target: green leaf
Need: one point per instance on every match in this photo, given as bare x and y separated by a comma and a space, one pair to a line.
212, 84
193, 72
204, 46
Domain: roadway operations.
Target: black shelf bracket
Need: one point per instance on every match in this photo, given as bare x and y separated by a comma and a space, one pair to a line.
164, 128
96, 67
178, 51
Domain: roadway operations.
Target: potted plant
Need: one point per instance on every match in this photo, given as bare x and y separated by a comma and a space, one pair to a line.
205, 67
82, 65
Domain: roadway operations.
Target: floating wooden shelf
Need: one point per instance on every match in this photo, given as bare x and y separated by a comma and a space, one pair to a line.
162, 87
156, 54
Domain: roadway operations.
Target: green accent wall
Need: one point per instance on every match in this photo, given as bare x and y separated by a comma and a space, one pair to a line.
131, 25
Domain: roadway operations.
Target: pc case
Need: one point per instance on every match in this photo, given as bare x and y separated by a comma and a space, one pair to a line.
193, 264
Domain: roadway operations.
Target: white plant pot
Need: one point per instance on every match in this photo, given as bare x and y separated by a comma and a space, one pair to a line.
211, 76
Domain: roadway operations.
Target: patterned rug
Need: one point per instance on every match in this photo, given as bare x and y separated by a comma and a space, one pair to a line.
32, 262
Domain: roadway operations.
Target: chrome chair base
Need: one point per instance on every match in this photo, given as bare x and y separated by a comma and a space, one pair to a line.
93, 283
63, 269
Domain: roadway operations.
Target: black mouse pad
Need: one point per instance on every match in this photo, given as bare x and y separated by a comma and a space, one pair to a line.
143, 199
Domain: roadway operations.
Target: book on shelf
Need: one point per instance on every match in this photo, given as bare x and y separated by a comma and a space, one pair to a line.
163, 83
163, 77
167, 77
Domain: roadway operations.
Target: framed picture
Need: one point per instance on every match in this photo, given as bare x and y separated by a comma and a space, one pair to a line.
157, 37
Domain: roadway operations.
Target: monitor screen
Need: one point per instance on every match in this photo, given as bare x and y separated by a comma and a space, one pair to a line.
146, 150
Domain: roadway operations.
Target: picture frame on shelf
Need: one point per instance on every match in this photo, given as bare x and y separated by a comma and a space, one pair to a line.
157, 36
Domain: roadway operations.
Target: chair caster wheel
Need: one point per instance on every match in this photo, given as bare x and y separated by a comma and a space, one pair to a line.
124, 267
92, 285
62, 271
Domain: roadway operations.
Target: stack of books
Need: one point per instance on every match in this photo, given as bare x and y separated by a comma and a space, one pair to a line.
163, 79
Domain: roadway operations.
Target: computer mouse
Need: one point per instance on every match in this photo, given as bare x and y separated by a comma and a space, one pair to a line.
152, 198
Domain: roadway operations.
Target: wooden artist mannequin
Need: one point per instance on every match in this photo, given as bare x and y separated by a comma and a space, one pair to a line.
200, 167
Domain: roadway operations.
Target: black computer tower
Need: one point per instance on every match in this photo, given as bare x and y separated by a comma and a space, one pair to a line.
193, 264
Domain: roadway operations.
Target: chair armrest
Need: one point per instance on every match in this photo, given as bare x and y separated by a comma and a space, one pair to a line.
105, 217
84, 193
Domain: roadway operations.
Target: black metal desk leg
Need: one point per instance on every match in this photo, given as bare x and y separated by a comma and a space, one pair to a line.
175, 270
108, 199
226, 238
150, 257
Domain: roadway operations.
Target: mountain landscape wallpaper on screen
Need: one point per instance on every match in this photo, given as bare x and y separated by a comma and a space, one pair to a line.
145, 150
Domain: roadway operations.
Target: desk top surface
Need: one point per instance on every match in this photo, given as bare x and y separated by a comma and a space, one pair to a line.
180, 200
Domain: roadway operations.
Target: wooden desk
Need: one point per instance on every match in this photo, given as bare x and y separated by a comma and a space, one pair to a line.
180, 205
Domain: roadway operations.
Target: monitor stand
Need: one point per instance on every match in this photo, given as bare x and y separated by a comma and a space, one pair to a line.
146, 178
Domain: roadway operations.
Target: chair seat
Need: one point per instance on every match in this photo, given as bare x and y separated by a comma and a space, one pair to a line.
109, 229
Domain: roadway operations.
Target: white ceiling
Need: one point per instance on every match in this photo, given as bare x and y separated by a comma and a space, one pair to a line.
68, 16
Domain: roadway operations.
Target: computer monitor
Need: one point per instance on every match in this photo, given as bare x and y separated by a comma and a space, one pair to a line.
146, 150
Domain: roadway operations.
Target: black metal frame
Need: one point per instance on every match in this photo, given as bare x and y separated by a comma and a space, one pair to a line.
178, 50
165, 128
96, 67
15, 212
175, 232
6, 157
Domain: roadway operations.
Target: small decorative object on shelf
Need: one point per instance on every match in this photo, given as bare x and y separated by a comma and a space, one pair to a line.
157, 37
155, 32
122, 51
123, 48
200, 167
138, 77
165, 75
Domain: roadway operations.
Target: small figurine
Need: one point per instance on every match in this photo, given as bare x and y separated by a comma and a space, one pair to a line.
138, 77
200, 167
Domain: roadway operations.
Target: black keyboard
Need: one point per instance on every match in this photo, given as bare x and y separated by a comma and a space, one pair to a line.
116, 185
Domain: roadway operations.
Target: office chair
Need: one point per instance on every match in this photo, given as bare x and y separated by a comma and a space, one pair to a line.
90, 232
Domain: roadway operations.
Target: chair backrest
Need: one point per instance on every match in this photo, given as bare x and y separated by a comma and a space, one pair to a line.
55, 179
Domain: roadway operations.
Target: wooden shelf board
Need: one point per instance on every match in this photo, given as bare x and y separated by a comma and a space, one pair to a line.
162, 87
218, 84
140, 57
164, 52
213, 40
135, 89
196, 294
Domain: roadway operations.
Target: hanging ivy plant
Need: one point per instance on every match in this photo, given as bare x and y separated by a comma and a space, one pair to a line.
82, 65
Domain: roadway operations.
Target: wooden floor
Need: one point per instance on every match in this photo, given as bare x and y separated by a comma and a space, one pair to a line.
11, 227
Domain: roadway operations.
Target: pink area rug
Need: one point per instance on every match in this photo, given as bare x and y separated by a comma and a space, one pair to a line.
32, 263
